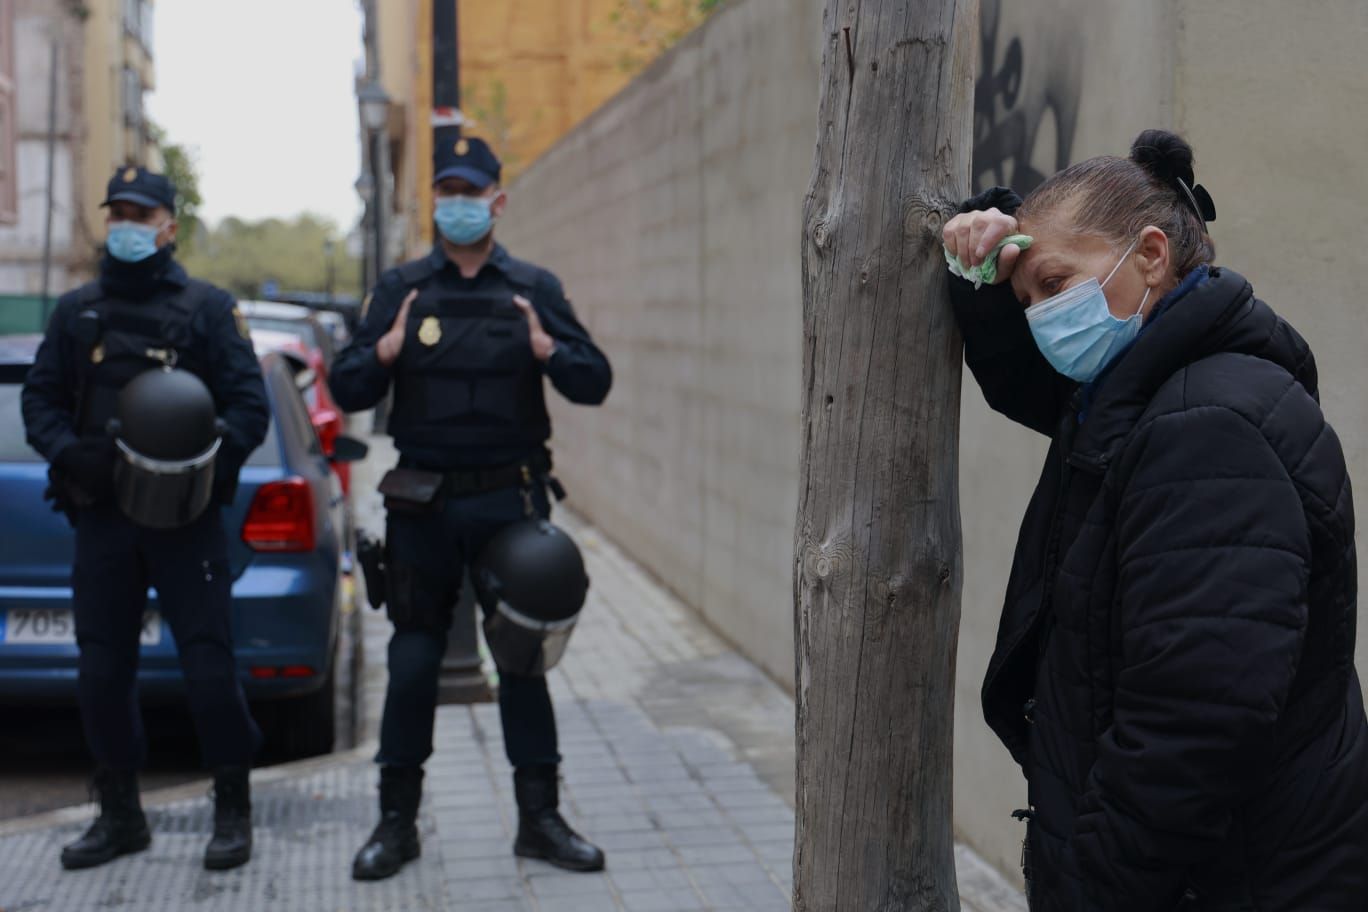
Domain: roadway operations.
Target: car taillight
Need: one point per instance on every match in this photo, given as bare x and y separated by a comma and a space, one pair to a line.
328, 424
281, 517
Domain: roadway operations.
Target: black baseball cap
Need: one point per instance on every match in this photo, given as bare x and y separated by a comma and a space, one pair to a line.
135, 184
466, 157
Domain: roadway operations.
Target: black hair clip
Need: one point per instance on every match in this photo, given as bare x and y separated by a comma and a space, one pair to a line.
1199, 199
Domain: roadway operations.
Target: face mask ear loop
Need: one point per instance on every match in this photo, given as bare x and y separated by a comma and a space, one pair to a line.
1141, 308
1119, 262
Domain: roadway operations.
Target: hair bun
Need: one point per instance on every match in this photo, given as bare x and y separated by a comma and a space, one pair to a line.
1164, 155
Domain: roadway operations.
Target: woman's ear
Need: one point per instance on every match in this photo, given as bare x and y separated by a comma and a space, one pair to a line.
1153, 251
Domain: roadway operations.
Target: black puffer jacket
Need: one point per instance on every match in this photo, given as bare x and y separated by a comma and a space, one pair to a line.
1174, 666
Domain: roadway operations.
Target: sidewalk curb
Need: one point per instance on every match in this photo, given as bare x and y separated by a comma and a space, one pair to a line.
266, 775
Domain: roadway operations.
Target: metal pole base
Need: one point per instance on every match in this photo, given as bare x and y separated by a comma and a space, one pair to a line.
462, 678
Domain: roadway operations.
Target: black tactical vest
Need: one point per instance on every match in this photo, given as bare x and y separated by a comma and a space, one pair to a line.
118, 339
466, 376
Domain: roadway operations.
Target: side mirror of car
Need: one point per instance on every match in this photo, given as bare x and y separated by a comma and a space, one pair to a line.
348, 449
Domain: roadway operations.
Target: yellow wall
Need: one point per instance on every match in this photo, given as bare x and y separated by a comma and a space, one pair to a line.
532, 69
406, 73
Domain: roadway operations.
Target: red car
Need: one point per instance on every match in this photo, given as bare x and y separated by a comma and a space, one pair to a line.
311, 377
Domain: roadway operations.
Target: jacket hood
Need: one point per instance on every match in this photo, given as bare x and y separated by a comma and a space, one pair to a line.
1220, 315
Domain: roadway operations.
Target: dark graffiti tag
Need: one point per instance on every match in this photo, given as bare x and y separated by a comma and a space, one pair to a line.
1021, 107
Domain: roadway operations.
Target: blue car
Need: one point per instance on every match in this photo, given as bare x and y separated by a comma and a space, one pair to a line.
286, 529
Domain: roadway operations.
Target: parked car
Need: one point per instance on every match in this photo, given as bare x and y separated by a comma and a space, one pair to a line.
328, 419
336, 324
285, 555
308, 326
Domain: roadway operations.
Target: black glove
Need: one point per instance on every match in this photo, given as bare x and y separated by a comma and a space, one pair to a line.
88, 466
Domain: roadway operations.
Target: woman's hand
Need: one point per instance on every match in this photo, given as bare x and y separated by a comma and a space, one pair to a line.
971, 236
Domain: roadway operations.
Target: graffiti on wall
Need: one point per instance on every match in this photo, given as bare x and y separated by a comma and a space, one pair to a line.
1026, 98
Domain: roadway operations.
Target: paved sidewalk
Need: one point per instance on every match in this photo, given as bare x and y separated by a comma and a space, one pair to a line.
678, 761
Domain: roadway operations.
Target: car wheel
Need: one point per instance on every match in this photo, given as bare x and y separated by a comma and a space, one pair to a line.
300, 727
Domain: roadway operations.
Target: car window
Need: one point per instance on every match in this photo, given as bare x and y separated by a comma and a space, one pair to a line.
268, 454
325, 342
12, 445
296, 328
291, 413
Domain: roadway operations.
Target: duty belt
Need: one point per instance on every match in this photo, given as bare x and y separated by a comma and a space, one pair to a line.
466, 482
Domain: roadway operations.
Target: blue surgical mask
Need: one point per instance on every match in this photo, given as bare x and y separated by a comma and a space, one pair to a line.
1076, 332
464, 219
132, 242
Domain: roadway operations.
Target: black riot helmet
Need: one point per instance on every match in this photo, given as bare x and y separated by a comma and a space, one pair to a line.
168, 435
531, 583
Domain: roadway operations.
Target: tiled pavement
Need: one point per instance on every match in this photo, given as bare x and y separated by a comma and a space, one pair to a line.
678, 761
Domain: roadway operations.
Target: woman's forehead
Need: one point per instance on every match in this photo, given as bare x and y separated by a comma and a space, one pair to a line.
1052, 246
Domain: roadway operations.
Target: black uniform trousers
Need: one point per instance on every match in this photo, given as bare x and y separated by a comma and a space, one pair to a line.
426, 555
116, 561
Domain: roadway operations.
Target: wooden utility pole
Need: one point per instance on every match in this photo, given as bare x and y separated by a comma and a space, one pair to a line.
877, 560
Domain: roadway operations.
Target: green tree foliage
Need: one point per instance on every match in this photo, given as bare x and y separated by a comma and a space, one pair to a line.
178, 164
242, 256
653, 26
487, 106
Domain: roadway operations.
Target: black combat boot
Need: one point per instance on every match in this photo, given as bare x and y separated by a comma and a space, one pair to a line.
542, 831
121, 828
395, 840
231, 846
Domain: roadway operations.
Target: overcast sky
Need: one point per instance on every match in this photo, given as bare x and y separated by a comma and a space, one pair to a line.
261, 91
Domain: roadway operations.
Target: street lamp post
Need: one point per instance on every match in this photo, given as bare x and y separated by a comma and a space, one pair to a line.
328, 263
374, 105
462, 678
365, 188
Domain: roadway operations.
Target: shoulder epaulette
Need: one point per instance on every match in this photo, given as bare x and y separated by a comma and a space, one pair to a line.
415, 271
522, 273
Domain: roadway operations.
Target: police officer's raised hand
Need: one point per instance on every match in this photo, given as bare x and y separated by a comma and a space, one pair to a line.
391, 343
971, 236
543, 345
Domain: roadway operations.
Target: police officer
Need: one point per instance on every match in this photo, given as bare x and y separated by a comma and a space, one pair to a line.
465, 335
142, 313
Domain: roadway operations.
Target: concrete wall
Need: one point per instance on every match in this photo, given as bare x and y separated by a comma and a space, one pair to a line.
673, 215
1271, 95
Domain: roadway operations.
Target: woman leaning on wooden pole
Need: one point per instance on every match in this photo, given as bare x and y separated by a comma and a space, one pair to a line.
877, 561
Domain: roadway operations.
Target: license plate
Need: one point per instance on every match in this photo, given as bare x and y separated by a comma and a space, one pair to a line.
56, 627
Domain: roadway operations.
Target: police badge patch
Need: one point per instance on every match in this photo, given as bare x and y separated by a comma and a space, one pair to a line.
243, 329
430, 331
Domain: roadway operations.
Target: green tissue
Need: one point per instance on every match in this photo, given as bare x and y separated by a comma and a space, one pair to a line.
985, 272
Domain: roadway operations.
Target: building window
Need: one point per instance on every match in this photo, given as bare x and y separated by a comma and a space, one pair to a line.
9, 187
132, 99
137, 21
145, 25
